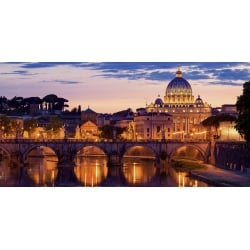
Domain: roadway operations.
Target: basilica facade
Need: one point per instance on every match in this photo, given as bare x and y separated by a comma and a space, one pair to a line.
187, 111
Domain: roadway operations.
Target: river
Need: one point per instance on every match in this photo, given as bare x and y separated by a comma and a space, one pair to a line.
92, 171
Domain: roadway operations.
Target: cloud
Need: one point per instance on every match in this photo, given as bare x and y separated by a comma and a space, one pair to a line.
227, 83
153, 71
19, 72
60, 82
47, 64
66, 82
233, 74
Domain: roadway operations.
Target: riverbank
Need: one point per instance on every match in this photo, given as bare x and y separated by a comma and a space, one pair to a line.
220, 177
186, 165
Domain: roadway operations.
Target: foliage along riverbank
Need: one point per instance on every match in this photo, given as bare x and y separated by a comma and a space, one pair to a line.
186, 164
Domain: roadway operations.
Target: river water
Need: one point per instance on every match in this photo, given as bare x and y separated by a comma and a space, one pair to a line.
92, 171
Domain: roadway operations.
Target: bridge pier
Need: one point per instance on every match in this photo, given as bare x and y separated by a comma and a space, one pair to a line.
65, 175
24, 179
115, 177
114, 159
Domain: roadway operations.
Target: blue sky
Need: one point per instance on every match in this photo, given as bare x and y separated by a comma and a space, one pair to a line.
112, 86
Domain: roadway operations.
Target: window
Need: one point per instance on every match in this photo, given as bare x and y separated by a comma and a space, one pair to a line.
158, 129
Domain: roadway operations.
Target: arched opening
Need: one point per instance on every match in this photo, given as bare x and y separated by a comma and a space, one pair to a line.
91, 166
184, 159
42, 166
188, 153
139, 165
7, 171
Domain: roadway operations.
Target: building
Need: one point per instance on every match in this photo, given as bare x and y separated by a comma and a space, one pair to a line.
227, 130
153, 125
89, 130
186, 111
103, 120
88, 115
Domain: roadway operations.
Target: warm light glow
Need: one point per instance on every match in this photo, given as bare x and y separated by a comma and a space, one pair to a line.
200, 133
134, 173
179, 132
96, 173
90, 171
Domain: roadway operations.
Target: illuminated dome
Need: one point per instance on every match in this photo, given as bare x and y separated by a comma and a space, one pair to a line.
179, 85
179, 90
158, 102
199, 101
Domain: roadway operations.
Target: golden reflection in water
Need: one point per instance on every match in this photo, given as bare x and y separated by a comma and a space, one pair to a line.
137, 172
91, 171
42, 170
182, 179
4, 169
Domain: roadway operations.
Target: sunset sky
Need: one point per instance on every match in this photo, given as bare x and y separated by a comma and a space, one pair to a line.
113, 86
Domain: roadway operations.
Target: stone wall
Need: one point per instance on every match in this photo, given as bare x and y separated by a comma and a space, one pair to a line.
232, 155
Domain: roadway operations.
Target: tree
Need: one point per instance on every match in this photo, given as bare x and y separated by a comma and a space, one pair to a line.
30, 126
8, 127
54, 126
214, 121
52, 103
243, 107
107, 131
3, 104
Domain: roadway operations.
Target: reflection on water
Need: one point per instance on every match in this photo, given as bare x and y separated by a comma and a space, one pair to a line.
42, 170
137, 171
5, 171
91, 171
42, 166
184, 181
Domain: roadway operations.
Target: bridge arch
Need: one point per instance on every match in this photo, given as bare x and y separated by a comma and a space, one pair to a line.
91, 149
187, 151
4, 150
90, 164
139, 151
32, 147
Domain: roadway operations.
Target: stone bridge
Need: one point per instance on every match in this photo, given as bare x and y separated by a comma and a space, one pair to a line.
66, 149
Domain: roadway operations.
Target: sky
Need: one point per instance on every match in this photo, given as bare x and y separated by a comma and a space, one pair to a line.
107, 87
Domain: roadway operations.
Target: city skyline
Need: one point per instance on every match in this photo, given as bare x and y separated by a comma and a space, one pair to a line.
107, 87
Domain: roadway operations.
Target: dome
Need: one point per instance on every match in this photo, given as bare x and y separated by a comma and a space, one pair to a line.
199, 100
179, 91
179, 85
159, 101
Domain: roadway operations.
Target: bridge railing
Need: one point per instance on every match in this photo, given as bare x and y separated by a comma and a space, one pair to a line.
69, 140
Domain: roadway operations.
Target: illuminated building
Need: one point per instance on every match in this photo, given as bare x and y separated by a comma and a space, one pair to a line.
153, 125
187, 113
89, 130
